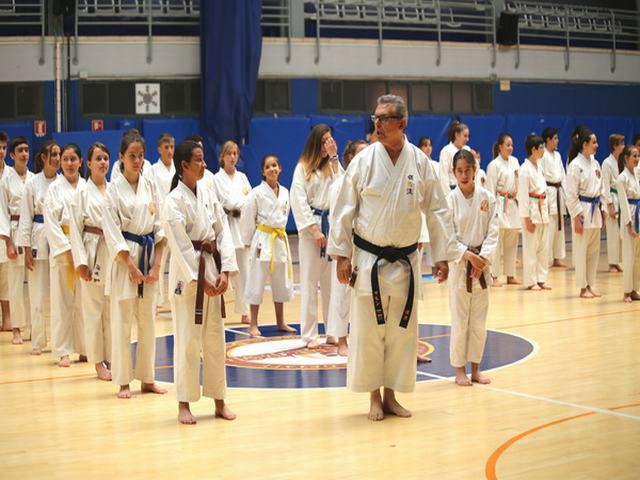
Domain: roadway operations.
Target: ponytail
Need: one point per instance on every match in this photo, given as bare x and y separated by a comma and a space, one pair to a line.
184, 151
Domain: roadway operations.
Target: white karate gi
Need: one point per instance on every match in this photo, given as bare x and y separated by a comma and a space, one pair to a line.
188, 217
610, 174
264, 208
382, 203
535, 247
4, 261
233, 193
502, 181
628, 186
116, 172
88, 248
476, 224
339, 305
314, 269
584, 177
67, 328
136, 212
553, 171
11, 193
32, 234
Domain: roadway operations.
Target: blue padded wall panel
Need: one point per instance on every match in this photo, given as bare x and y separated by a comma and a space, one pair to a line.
605, 126
483, 131
111, 138
344, 128
178, 127
519, 126
434, 126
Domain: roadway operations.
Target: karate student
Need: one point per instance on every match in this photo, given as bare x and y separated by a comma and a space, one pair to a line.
67, 332
233, 187
458, 135
534, 211
554, 175
317, 168
117, 168
339, 305
584, 192
628, 187
202, 256
376, 229
502, 181
134, 237
91, 259
475, 220
4, 266
263, 231
611, 204
33, 240
481, 175
11, 192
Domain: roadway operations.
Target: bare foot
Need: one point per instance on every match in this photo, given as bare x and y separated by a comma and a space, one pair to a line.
559, 263
82, 359
391, 406
103, 372
544, 286
619, 268
222, 411
184, 414
594, 293
331, 340
627, 298
343, 347
376, 411
423, 359
245, 319
36, 351
462, 379
125, 392
496, 282
635, 295
254, 332
7, 327
64, 361
534, 287
480, 378
17, 337
585, 293
286, 328
152, 388
313, 344
513, 281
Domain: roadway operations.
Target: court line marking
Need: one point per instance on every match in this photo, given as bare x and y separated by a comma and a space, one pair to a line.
604, 314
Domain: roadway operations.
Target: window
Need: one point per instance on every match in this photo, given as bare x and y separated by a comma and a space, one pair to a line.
272, 96
441, 97
461, 96
21, 101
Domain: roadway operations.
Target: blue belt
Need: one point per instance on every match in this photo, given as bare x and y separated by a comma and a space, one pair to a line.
636, 216
38, 218
324, 225
453, 187
146, 242
592, 200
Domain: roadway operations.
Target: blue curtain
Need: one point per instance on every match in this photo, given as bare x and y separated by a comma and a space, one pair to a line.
230, 48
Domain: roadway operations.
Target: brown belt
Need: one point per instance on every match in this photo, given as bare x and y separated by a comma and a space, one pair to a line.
233, 212
482, 280
94, 230
15, 218
206, 246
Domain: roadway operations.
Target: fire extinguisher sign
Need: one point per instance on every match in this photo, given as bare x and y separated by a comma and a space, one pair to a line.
39, 128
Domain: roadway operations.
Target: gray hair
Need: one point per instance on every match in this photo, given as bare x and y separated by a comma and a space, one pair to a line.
398, 103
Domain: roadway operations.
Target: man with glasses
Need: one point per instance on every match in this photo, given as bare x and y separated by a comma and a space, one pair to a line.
377, 226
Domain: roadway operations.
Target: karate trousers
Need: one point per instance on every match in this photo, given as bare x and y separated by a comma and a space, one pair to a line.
67, 328
314, 270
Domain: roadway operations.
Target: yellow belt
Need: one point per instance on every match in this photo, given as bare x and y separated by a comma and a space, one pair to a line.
71, 273
277, 232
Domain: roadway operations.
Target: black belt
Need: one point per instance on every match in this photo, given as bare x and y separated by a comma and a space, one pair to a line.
483, 281
557, 185
390, 254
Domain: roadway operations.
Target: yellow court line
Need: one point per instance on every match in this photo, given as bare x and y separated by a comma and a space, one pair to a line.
490, 468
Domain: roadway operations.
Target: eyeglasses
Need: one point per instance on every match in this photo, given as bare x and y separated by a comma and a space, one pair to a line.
384, 118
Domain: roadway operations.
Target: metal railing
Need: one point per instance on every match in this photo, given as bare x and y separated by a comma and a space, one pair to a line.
29, 14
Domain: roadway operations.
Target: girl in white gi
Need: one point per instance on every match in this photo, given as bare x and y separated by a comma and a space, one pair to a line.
316, 170
628, 187
502, 181
532, 205
339, 305
202, 255
554, 175
263, 231
118, 168
612, 205
458, 135
67, 332
11, 193
584, 194
475, 221
134, 237
233, 187
91, 259
481, 175
4, 267
32, 238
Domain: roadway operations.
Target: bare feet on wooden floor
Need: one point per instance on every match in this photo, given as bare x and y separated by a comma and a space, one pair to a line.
286, 328
184, 414
461, 378
64, 362
313, 344
153, 388
495, 282
254, 331
125, 392
245, 319
391, 406
343, 347
103, 372
376, 411
223, 411
513, 281
17, 337
558, 263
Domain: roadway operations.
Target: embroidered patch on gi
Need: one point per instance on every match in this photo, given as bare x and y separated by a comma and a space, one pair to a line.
598, 173
410, 184
179, 286
484, 206
152, 208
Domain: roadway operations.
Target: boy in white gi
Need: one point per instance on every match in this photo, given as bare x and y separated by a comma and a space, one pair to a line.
67, 329
612, 206
134, 237
584, 194
263, 231
473, 210
554, 175
502, 181
91, 259
202, 255
377, 226
628, 187
32, 238
11, 192
233, 187
533, 209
